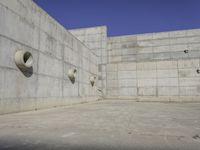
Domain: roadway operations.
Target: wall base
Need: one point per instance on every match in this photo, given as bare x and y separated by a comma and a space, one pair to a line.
22, 105
156, 99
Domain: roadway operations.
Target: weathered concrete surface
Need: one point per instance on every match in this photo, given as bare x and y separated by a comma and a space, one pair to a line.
154, 65
96, 39
149, 66
146, 65
105, 125
25, 26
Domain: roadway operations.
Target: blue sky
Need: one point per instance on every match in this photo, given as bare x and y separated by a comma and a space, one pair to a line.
124, 17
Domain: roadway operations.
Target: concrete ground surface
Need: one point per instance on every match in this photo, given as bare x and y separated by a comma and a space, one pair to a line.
120, 125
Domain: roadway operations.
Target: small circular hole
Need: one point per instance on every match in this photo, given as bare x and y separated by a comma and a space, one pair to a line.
198, 71
186, 51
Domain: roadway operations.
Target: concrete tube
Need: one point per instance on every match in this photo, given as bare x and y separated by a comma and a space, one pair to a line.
92, 80
23, 59
72, 74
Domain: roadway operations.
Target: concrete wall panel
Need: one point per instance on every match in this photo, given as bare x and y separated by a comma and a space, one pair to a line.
162, 67
146, 91
25, 26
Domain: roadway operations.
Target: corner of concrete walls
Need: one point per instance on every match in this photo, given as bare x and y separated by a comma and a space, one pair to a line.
144, 67
96, 39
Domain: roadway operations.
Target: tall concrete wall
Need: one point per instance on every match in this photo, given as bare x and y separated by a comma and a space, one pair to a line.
149, 66
96, 39
24, 26
154, 66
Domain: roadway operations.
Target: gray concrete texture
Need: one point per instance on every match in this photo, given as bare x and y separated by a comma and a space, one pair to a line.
96, 39
154, 46
106, 125
160, 78
144, 67
154, 65
24, 26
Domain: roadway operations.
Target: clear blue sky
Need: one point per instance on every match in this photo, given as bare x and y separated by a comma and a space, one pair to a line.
125, 16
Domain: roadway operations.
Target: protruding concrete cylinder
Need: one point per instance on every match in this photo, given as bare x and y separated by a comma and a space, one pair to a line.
72, 75
92, 80
23, 59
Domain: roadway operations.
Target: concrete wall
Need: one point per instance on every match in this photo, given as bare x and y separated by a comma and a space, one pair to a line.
24, 26
154, 66
149, 66
96, 39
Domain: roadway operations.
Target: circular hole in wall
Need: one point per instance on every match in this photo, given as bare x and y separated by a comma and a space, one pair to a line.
198, 71
186, 51
72, 75
24, 61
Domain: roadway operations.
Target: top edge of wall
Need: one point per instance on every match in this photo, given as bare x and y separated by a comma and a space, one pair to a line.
91, 27
149, 33
69, 30
61, 26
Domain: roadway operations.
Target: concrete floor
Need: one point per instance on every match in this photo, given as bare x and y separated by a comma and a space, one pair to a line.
105, 125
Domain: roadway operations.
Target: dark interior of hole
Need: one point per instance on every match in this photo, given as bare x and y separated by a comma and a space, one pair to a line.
26, 57
198, 71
